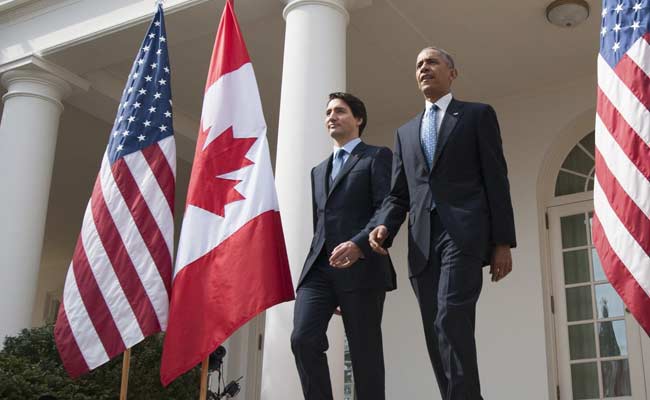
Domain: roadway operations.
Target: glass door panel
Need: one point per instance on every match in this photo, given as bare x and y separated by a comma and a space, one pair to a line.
595, 335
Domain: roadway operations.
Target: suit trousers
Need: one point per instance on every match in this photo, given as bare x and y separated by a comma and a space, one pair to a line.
447, 292
316, 300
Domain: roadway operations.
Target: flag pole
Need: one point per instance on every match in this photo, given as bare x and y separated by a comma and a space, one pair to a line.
204, 380
126, 363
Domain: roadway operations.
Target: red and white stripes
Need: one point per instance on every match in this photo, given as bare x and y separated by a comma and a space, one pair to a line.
122, 264
621, 228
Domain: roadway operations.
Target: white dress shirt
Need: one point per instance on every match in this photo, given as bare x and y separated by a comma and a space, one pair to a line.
442, 104
348, 147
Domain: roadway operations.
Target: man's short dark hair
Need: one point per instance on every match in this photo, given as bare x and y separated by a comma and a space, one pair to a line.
444, 54
356, 106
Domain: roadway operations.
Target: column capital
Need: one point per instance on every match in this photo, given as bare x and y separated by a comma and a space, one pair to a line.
33, 76
343, 6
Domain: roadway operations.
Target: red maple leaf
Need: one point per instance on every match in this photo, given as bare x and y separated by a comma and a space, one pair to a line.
224, 154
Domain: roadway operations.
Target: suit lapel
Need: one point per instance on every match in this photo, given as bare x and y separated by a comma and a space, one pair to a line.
412, 134
449, 121
349, 163
321, 180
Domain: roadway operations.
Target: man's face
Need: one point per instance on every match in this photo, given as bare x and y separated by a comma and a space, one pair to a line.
339, 120
433, 74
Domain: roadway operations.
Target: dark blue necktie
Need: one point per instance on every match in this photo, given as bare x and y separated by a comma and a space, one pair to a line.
429, 136
338, 162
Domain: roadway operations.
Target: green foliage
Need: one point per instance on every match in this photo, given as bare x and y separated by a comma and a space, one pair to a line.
30, 367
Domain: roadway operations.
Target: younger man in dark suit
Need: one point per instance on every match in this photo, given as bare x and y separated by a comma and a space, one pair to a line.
341, 270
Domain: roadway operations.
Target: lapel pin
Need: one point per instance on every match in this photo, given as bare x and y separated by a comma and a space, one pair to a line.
456, 113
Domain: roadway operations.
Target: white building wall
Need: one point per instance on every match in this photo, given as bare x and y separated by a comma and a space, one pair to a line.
76, 163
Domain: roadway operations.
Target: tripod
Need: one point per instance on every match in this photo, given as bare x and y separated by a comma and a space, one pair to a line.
223, 391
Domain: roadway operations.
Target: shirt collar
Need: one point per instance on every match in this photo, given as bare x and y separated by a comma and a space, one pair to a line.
349, 146
442, 103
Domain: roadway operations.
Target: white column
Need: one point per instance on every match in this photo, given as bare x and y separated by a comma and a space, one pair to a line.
314, 66
28, 132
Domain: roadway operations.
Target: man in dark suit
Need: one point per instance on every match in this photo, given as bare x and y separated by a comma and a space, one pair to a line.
341, 270
450, 176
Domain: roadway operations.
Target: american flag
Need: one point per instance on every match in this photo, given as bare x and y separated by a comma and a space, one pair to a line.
621, 227
118, 285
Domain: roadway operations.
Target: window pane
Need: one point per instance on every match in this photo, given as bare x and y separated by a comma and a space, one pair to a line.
578, 303
578, 161
574, 231
568, 183
599, 274
590, 184
612, 337
584, 380
576, 266
608, 303
616, 378
582, 343
589, 143
348, 379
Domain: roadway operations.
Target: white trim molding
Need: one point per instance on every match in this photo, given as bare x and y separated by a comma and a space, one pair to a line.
6, 5
337, 5
37, 64
342, 6
47, 26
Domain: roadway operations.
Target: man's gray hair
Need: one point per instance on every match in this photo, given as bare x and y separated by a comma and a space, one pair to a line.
445, 55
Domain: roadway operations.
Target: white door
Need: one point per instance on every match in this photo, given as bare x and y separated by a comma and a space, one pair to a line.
599, 344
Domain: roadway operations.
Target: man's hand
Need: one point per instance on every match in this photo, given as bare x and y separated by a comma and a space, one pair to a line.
501, 262
376, 239
345, 254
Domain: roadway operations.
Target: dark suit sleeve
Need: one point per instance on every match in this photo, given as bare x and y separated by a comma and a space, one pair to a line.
495, 177
380, 185
396, 204
314, 211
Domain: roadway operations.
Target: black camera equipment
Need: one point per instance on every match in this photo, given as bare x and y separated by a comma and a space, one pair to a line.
215, 364
216, 359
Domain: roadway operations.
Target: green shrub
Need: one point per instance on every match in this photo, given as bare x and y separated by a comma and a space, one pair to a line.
30, 367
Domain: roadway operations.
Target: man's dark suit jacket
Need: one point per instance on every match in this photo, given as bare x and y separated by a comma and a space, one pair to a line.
468, 181
343, 210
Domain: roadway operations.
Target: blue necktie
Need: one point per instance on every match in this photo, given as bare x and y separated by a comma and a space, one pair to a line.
337, 163
429, 136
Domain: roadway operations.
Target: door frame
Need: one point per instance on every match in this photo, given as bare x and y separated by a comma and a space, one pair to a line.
639, 357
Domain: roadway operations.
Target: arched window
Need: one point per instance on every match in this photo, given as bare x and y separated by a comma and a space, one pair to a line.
577, 172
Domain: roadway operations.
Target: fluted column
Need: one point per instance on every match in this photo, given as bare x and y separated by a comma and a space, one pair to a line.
314, 66
28, 132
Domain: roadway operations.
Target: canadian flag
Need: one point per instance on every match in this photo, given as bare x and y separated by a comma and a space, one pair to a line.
232, 261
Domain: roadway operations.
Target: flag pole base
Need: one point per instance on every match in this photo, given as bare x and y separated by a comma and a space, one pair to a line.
126, 364
204, 380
